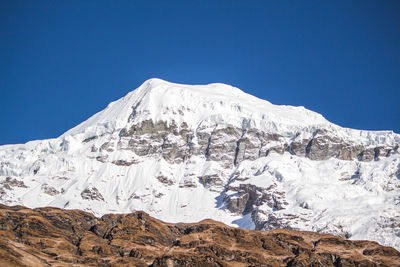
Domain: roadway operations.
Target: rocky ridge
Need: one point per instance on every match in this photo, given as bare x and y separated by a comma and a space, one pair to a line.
55, 237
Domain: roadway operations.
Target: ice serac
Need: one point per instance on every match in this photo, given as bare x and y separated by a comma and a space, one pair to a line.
184, 153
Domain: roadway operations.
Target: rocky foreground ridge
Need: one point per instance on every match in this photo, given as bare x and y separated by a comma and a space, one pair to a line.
56, 237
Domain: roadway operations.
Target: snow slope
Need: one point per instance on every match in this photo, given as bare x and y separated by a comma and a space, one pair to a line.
189, 152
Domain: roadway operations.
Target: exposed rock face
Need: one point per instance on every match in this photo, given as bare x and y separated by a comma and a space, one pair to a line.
233, 144
92, 194
49, 190
10, 182
212, 182
250, 196
54, 237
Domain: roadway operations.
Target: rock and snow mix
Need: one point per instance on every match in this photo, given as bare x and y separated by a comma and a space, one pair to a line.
184, 153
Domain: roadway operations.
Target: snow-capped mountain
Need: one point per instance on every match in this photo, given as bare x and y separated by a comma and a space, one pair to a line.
183, 153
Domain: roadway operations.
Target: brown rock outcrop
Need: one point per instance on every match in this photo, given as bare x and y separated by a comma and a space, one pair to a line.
50, 236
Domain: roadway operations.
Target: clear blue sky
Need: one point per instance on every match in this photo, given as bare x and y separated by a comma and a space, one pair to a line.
63, 61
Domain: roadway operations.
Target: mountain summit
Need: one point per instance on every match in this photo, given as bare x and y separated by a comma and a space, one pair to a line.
158, 100
184, 153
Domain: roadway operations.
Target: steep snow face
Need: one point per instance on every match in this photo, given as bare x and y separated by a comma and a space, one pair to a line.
214, 104
159, 100
196, 106
186, 153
